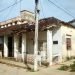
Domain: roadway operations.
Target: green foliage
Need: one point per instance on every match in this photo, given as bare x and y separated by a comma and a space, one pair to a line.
72, 67
69, 58
45, 64
73, 57
64, 68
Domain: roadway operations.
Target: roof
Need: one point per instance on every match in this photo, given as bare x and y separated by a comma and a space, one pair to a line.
22, 26
72, 21
53, 20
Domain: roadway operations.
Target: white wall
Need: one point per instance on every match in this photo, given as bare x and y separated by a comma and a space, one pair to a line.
70, 31
60, 36
57, 37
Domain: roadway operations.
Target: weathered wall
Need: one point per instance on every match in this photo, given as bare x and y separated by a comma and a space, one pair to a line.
57, 47
57, 37
68, 31
30, 40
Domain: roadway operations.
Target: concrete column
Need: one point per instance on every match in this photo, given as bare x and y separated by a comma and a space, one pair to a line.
23, 46
49, 47
16, 43
69, 53
60, 58
5, 46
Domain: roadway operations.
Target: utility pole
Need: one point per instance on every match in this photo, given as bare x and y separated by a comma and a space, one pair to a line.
36, 36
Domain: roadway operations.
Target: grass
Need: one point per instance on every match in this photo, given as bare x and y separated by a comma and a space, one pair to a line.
70, 58
70, 67
45, 63
64, 68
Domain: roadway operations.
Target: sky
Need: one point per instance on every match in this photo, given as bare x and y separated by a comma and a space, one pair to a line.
47, 9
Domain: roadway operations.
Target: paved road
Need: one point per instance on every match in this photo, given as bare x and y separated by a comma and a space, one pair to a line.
10, 70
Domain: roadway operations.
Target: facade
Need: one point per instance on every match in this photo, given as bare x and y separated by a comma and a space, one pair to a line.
56, 39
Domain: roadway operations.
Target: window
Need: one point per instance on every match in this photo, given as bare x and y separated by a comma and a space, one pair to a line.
55, 42
68, 43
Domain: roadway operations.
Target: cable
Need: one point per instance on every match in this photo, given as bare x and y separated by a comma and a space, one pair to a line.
20, 5
10, 6
64, 8
10, 9
8, 14
61, 9
42, 8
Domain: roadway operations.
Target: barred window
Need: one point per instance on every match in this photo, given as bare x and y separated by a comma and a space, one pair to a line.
68, 43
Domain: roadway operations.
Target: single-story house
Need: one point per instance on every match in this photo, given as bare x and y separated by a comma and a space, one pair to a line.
56, 39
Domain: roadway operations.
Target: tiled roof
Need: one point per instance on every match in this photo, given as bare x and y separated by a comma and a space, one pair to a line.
22, 26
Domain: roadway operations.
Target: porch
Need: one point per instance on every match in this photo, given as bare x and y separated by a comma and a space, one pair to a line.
21, 47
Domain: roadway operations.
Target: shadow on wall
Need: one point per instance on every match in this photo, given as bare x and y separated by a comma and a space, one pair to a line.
55, 59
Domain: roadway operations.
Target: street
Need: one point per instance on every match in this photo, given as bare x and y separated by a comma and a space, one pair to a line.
10, 70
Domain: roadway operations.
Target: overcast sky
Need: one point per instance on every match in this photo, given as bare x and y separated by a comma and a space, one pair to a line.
47, 9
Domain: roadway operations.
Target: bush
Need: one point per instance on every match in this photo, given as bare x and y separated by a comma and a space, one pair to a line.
72, 67
68, 58
45, 64
64, 67
73, 57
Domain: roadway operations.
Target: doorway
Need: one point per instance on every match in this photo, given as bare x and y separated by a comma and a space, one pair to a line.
10, 47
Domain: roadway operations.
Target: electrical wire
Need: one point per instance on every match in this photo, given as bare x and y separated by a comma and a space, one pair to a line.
20, 5
8, 14
10, 6
61, 9
42, 8
64, 7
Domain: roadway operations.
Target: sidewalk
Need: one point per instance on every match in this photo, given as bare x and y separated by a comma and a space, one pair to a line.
12, 63
53, 70
18, 69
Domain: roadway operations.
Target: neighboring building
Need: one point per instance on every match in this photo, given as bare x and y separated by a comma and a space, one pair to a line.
72, 22
56, 38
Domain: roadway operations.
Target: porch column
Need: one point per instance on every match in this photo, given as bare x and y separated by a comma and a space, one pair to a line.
23, 46
5, 46
49, 47
16, 42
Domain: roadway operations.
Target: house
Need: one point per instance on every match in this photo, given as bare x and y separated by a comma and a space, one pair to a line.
72, 22
56, 38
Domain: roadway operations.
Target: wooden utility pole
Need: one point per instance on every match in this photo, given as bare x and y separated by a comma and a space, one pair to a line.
36, 36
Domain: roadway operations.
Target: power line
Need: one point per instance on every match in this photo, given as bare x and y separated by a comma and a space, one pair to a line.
10, 6
20, 5
42, 8
8, 14
61, 9
64, 7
